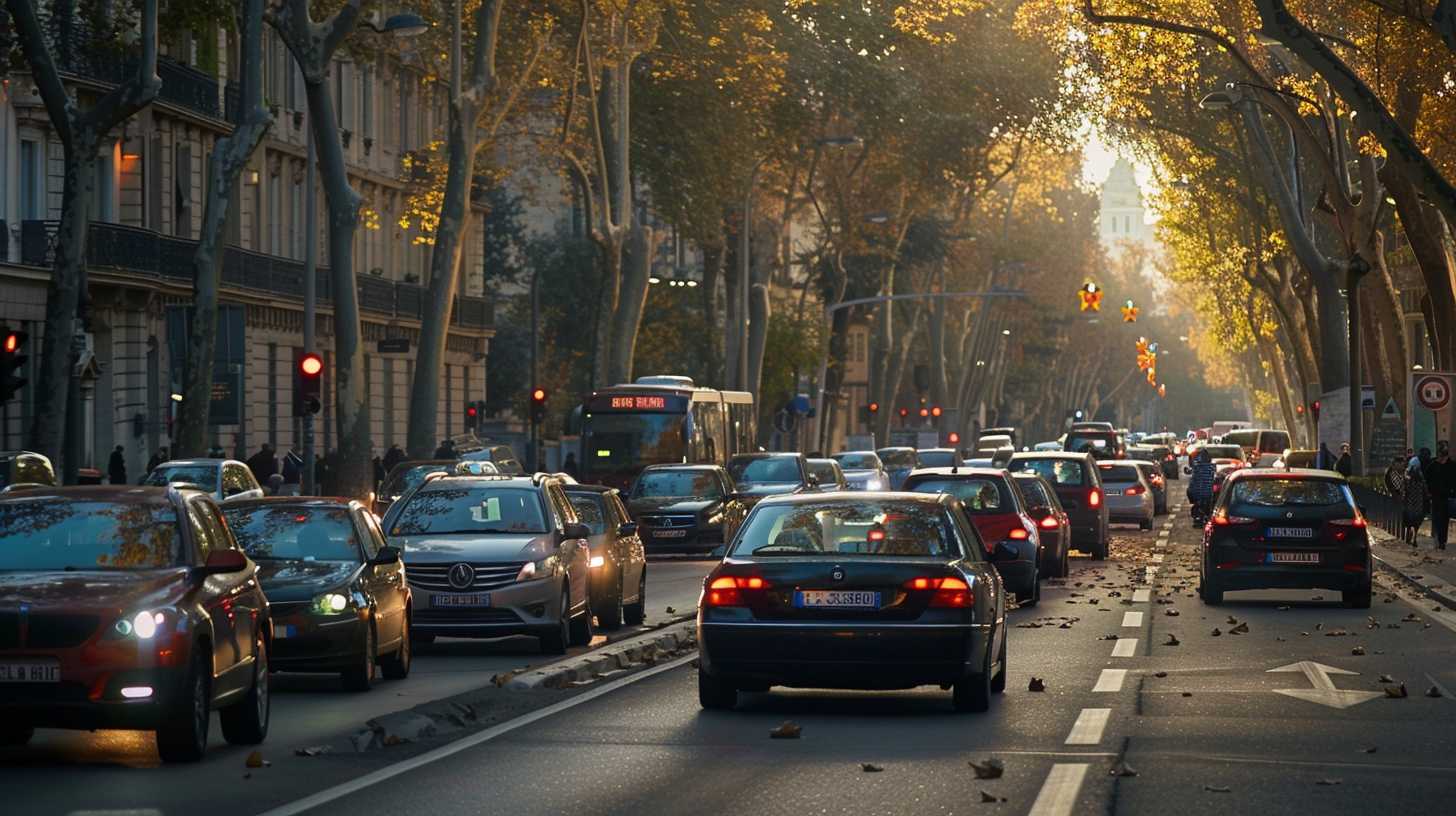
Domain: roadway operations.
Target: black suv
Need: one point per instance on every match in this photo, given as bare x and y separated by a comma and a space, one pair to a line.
685, 508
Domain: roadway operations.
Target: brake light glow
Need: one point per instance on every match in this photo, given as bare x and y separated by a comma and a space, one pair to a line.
1223, 519
727, 590
876, 535
1358, 521
950, 592
1094, 498
1050, 523
1018, 534
1135, 490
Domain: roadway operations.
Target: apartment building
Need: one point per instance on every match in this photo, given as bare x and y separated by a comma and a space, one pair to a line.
150, 185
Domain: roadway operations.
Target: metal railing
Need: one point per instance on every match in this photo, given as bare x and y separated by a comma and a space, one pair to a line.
150, 254
79, 55
1380, 510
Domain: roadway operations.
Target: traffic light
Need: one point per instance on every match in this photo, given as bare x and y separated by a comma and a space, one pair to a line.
472, 415
874, 409
12, 363
924, 412
538, 405
1314, 410
953, 438
308, 383
1299, 409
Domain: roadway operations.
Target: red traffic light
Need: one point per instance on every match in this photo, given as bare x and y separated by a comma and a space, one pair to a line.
874, 407
538, 395
904, 412
924, 412
311, 365
935, 410
12, 342
471, 410
953, 438
1298, 409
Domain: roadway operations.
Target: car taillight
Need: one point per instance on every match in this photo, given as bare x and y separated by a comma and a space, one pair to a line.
1358, 521
1094, 498
950, 592
1018, 534
1223, 519
727, 590
1050, 523
1135, 490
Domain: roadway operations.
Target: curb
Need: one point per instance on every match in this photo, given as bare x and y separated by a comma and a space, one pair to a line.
1408, 577
632, 653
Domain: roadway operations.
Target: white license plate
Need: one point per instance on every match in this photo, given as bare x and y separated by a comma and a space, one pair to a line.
669, 533
1290, 532
482, 599
1294, 558
836, 599
30, 671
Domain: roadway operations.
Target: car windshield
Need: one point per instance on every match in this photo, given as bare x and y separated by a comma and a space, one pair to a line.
897, 459
677, 484
978, 495
938, 458
857, 461
1090, 442
401, 482
1224, 451
1035, 493
1288, 492
53, 533
204, 476
867, 528
589, 511
294, 533
449, 509
823, 472
1119, 473
1056, 471
765, 470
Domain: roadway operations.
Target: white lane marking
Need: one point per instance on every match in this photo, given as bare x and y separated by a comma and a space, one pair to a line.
1126, 647
1110, 680
1165, 532
1088, 728
1445, 692
1132, 619
1142, 595
1157, 558
1059, 792
355, 785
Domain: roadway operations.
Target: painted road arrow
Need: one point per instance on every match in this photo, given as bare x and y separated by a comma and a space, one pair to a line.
1324, 691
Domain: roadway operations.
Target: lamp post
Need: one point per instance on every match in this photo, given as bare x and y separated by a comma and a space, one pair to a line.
741, 364
402, 26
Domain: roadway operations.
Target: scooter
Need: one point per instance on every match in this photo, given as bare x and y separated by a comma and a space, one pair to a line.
1200, 511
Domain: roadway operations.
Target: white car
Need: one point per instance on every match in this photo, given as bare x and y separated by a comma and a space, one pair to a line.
226, 479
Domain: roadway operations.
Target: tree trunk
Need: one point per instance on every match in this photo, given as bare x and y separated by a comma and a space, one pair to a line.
939, 388
712, 338
642, 246
758, 316
733, 317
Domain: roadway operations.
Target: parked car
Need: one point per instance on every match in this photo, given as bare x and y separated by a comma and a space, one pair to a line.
863, 470
491, 556
994, 507
1286, 529
827, 474
756, 475
226, 479
1157, 485
1076, 479
337, 591
1129, 496
129, 608
405, 475
1001, 430
618, 560
853, 590
502, 456
898, 463
685, 508
1052, 523
24, 469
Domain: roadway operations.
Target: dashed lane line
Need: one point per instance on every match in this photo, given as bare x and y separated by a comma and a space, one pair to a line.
1058, 793
1110, 680
1142, 595
1125, 647
1088, 728
1132, 619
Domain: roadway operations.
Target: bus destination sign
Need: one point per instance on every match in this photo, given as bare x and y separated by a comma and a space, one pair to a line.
638, 402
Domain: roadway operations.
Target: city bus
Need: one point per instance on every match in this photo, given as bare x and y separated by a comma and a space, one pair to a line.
662, 419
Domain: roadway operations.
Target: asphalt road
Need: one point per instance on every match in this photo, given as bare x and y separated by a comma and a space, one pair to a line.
1198, 727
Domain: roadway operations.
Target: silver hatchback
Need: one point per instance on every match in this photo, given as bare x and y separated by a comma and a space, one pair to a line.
1130, 498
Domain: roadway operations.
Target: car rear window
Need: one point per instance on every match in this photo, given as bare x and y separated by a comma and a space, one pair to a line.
270, 532
1224, 451
895, 459
1289, 493
824, 472
861, 528
979, 495
204, 476
469, 510
1273, 442
1119, 473
59, 534
1057, 471
857, 461
1087, 442
938, 459
1035, 493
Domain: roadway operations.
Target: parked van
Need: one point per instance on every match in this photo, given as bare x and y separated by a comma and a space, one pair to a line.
1262, 447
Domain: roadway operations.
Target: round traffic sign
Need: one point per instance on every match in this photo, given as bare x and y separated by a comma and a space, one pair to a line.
1433, 392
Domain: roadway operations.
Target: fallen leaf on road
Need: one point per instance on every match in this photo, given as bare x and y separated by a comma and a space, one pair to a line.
870, 767
1284, 608
1385, 678
670, 611
1358, 651
1172, 640
1067, 625
1232, 620
1397, 692
1215, 632
1328, 782
1241, 629
986, 797
1187, 694
311, 751
1160, 674
255, 760
1036, 684
788, 729
1172, 613
1122, 769
1108, 637
1318, 598
1216, 789
1434, 691
1372, 749
1319, 626
1411, 617
990, 769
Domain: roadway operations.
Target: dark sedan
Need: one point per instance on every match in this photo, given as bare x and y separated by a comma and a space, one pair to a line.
339, 598
853, 590
1052, 523
1286, 529
685, 508
618, 566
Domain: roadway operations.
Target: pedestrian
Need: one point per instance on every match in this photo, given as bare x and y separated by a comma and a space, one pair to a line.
378, 464
216, 452
569, 467
264, 463
1413, 500
1395, 474
1325, 459
446, 450
116, 468
292, 471
157, 458
275, 484
1343, 465
1200, 485
1441, 484
392, 457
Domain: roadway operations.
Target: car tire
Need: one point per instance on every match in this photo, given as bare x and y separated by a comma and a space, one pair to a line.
609, 616
972, 693
360, 676
182, 736
1032, 595
715, 694
1145, 524
246, 721
1211, 592
581, 627
998, 683
397, 666
14, 736
1357, 599
1065, 567
635, 613
1099, 550
554, 642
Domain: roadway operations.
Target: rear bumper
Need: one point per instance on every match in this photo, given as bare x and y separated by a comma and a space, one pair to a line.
1264, 576
1088, 526
693, 540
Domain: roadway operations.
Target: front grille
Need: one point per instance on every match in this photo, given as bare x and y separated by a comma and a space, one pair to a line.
669, 522
288, 609
436, 577
465, 617
9, 630
59, 631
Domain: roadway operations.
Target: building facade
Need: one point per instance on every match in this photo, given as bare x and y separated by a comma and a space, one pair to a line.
151, 183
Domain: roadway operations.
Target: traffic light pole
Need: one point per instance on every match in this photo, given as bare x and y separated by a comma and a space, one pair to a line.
534, 459
310, 302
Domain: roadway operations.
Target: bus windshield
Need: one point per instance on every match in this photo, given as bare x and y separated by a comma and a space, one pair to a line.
622, 444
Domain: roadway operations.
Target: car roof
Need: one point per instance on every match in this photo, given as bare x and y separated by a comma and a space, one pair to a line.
895, 448
854, 453
822, 461
681, 466
935, 450
589, 488
1056, 454
1309, 474
852, 496
958, 472
199, 461
293, 501
102, 493
763, 454
499, 481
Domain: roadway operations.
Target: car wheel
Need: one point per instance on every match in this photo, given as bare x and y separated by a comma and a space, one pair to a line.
973, 692
635, 613
1099, 550
1065, 568
1032, 594
715, 694
581, 626
609, 616
14, 736
246, 721
554, 642
1145, 524
397, 665
360, 676
183, 734
998, 683
1212, 593
1357, 599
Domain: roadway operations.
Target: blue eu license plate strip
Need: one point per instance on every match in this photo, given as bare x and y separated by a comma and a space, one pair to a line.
836, 599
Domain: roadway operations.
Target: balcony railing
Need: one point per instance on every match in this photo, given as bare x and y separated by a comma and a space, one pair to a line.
182, 85
150, 254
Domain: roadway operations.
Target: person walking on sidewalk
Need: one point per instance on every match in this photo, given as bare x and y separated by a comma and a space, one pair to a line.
1413, 500
1441, 484
1342, 465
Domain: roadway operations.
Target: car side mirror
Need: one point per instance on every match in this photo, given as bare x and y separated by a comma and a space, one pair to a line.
1003, 552
627, 529
813, 481
220, 562
577, 530
386, 557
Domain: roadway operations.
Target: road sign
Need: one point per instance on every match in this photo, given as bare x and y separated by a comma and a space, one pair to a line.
1324, 691
1433, 392
1367, 397
1392, 411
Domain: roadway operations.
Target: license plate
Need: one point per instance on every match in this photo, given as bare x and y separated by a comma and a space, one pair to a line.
460, 600
1290, 532
836, 599
1294, 558
30, 671
286, 630
669, 533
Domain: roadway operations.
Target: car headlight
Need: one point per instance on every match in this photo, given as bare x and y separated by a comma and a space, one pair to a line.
144, 625
331, 603
598, 561
874, 483
532, 570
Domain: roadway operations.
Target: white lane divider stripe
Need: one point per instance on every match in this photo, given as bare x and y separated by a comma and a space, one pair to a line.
1058, 793
1157, 558
1088, 728
1142, 595
1132, 619
1110, 680
1125, 647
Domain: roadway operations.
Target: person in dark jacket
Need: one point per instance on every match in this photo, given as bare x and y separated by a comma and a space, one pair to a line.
392, 457
446, 450
1441, 484
569, 467
1343, 465
1200, 486
1325, 458
157, 458
264, 463
116, 468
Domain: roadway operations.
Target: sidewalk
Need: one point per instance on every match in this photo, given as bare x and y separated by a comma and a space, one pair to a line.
1426, 568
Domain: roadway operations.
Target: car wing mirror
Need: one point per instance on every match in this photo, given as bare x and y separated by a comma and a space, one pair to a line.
1003, 552
220, 562
386, 557
627, 529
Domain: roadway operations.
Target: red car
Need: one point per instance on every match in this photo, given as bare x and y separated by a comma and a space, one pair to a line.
132, 608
